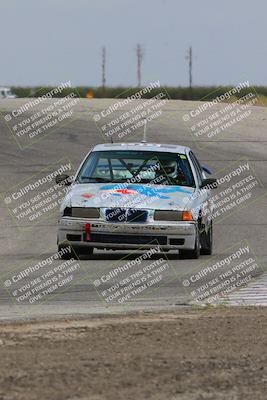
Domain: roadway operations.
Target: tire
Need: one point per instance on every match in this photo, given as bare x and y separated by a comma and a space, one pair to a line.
206, 242
191, 254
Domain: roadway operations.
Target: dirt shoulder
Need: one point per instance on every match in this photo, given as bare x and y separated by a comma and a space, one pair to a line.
188, 354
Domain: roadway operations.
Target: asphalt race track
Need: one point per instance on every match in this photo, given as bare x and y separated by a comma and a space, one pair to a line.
21, 247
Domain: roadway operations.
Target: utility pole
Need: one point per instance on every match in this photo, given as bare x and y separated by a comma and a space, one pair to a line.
140, 55
103, 68
189, 57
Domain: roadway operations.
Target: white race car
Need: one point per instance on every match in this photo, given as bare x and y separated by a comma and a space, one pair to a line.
138, 196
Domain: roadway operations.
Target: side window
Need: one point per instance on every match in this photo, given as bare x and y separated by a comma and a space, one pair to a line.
197, 167
198, 164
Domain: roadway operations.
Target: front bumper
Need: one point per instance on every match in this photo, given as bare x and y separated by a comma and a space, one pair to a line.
169, 235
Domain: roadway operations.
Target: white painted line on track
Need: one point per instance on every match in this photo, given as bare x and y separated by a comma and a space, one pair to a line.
253, 294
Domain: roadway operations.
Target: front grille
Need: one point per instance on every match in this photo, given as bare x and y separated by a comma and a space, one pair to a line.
126, 215
176, 242
136, 215
128, 239
116, 215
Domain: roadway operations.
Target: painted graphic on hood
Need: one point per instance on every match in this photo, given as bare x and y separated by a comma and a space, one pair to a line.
157, 197
87, 195
148, 191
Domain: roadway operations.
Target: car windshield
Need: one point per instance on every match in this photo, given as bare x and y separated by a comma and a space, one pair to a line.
157, 168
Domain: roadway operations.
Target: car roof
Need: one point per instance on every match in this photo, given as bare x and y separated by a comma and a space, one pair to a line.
169, 148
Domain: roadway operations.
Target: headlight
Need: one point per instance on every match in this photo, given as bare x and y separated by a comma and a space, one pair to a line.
166, 215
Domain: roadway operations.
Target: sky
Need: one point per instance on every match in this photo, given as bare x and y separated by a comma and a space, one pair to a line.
45, 42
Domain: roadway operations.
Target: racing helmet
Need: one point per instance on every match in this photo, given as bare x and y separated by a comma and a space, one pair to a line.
169, 168
172, 169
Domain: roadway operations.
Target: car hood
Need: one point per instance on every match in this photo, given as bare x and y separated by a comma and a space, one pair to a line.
138, 196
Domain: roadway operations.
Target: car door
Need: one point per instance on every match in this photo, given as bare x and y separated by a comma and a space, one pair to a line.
202, 201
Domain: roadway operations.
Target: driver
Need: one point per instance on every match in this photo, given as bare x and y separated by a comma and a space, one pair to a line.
170, 169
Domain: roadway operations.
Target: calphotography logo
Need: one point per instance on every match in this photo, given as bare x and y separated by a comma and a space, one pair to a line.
37, 282
237, 186
213, 282
127, 117
212, 119
40, 116
36, 198
134, 275
133, 188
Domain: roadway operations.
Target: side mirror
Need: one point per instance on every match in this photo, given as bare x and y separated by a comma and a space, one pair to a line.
210, 183
63, 179
206, 169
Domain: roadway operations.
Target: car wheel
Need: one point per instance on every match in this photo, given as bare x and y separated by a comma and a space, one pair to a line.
191, 254
206, 241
